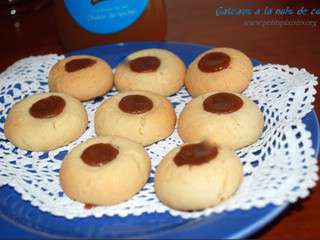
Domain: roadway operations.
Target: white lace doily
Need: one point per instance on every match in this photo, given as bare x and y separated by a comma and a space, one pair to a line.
279, 168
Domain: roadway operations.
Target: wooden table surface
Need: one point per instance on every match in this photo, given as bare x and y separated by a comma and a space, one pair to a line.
34, 34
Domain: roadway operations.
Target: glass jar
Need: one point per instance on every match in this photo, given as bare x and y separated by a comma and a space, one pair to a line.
87, 23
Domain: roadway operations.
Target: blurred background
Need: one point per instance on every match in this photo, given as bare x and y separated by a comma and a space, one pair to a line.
30, 27
33, 30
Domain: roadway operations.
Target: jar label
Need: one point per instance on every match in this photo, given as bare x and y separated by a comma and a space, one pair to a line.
105, 16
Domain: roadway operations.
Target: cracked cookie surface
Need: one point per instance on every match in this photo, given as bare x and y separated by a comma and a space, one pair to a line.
155, 70
45, 121
81, 76
196, 176
233, 122
104, 170
141, 116
219, 69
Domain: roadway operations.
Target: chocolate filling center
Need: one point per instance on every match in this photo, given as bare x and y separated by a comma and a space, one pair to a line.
78, 64
145, 64
135, 104
48, 107
99, 154
213, 62
222, 103
195, 154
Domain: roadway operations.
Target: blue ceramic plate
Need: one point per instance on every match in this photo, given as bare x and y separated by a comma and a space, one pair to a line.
21, 220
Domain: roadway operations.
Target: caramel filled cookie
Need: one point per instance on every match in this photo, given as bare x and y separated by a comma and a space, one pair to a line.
219, 69
227, 119
104, 171
154, 70
144, 117
197, 175
45, 121
82, 76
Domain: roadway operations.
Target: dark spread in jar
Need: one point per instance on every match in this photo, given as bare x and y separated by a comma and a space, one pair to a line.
135, 104
78, 64
150, 26
144, 64
48, 107
213, 62
99, 154
195, 154
222, 103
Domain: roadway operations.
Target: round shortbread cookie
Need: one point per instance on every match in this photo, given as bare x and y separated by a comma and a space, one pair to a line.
155, 70
82, 76
144, 117
45, 121
219, 69
227, 119
195, 176
104, 171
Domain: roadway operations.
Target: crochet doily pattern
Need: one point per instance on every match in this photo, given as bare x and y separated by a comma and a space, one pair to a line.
280, 167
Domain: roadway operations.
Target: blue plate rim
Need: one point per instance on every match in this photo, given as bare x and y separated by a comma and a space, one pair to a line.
241, 233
